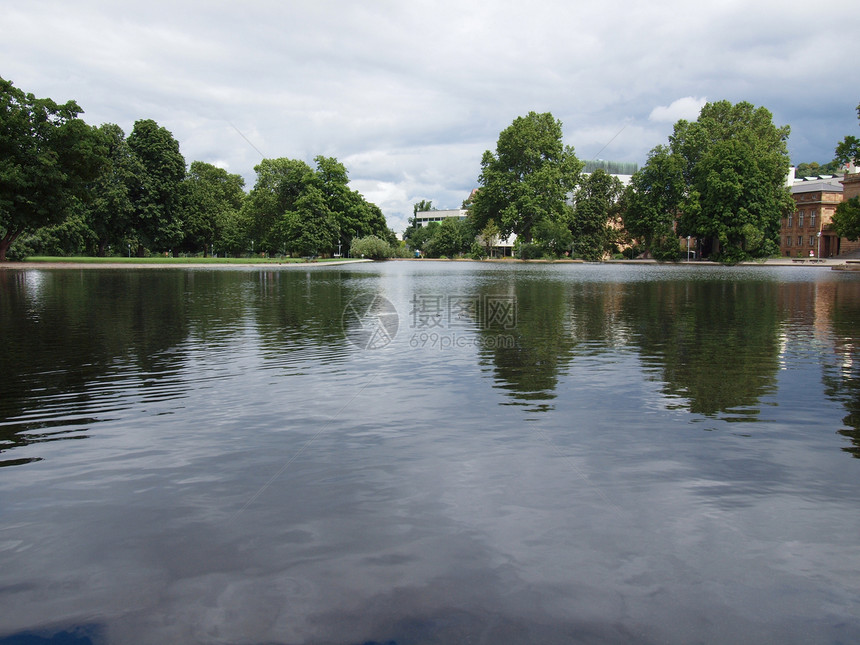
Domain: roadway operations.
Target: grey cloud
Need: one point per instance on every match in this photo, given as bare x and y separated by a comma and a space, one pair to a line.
410, 95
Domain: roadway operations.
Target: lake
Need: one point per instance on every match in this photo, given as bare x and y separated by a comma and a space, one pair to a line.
430, 452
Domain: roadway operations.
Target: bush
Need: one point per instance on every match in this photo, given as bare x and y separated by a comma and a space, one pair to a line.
530, 251
371, 247
477, 251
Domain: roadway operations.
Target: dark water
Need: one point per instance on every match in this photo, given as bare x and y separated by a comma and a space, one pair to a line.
421, 453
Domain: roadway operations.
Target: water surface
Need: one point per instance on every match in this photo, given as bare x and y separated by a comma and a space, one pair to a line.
424, 452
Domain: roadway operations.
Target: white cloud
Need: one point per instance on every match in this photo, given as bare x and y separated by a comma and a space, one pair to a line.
685, 108
408, 96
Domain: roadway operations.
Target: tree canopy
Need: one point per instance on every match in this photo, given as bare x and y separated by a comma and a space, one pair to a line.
210, 198
724, 175
156, 197
846, 219
47, 156
528, 178
652, 201
595, 204
735, 163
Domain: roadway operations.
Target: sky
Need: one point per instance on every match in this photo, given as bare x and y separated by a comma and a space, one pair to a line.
408, 95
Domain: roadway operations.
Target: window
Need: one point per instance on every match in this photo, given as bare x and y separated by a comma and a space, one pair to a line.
800, 219
788, 240
799, 240
790, 220
812, 219
811, 240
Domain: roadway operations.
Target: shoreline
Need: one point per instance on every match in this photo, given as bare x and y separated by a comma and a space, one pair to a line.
174, 265
832, 263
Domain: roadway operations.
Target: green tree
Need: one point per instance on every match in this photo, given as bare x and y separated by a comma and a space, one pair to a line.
208, 193
652, 202
417, 236
734, 162
529, 178
156, 198
595, 203
449, 238
311, 228
849, 148
47, 157
488, 237
110, 211
234, 233
422, 207
846, 219
814, 169
553, 237
280, 183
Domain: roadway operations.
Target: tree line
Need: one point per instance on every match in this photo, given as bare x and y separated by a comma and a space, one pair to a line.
719, 179
68, 188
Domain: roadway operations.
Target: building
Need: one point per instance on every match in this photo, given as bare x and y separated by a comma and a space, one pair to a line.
423, 218
806, 232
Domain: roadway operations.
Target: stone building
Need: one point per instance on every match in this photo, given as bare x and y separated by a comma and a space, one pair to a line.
815, 201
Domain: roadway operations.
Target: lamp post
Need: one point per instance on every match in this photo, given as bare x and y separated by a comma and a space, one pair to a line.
818, 235
688, 248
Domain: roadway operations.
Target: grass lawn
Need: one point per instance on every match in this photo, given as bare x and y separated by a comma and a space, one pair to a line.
163, 260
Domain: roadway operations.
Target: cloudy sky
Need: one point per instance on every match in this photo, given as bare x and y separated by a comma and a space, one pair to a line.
408, 95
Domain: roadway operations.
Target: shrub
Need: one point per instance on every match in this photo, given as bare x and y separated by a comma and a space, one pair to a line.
371, 247
530, 251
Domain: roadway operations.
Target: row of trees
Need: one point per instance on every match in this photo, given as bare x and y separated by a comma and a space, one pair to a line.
720, 180
70, 188
532, 186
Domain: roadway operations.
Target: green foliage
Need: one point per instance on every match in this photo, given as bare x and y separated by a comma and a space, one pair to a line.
553, 238
846, 219
488, 237
448, 238
596, 202
210, 198
477, 251
307, 211
311, 228
529, 177
77, 189
734, 163
417, 236
110, 210
529, 251
47, 157
652, 200
422, 207
849, 148
156, 197
280, 182
815, 169
371, 246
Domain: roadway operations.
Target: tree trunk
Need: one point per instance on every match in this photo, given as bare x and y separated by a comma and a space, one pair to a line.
6, 242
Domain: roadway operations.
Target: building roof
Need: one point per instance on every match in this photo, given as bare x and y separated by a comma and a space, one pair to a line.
832, 185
